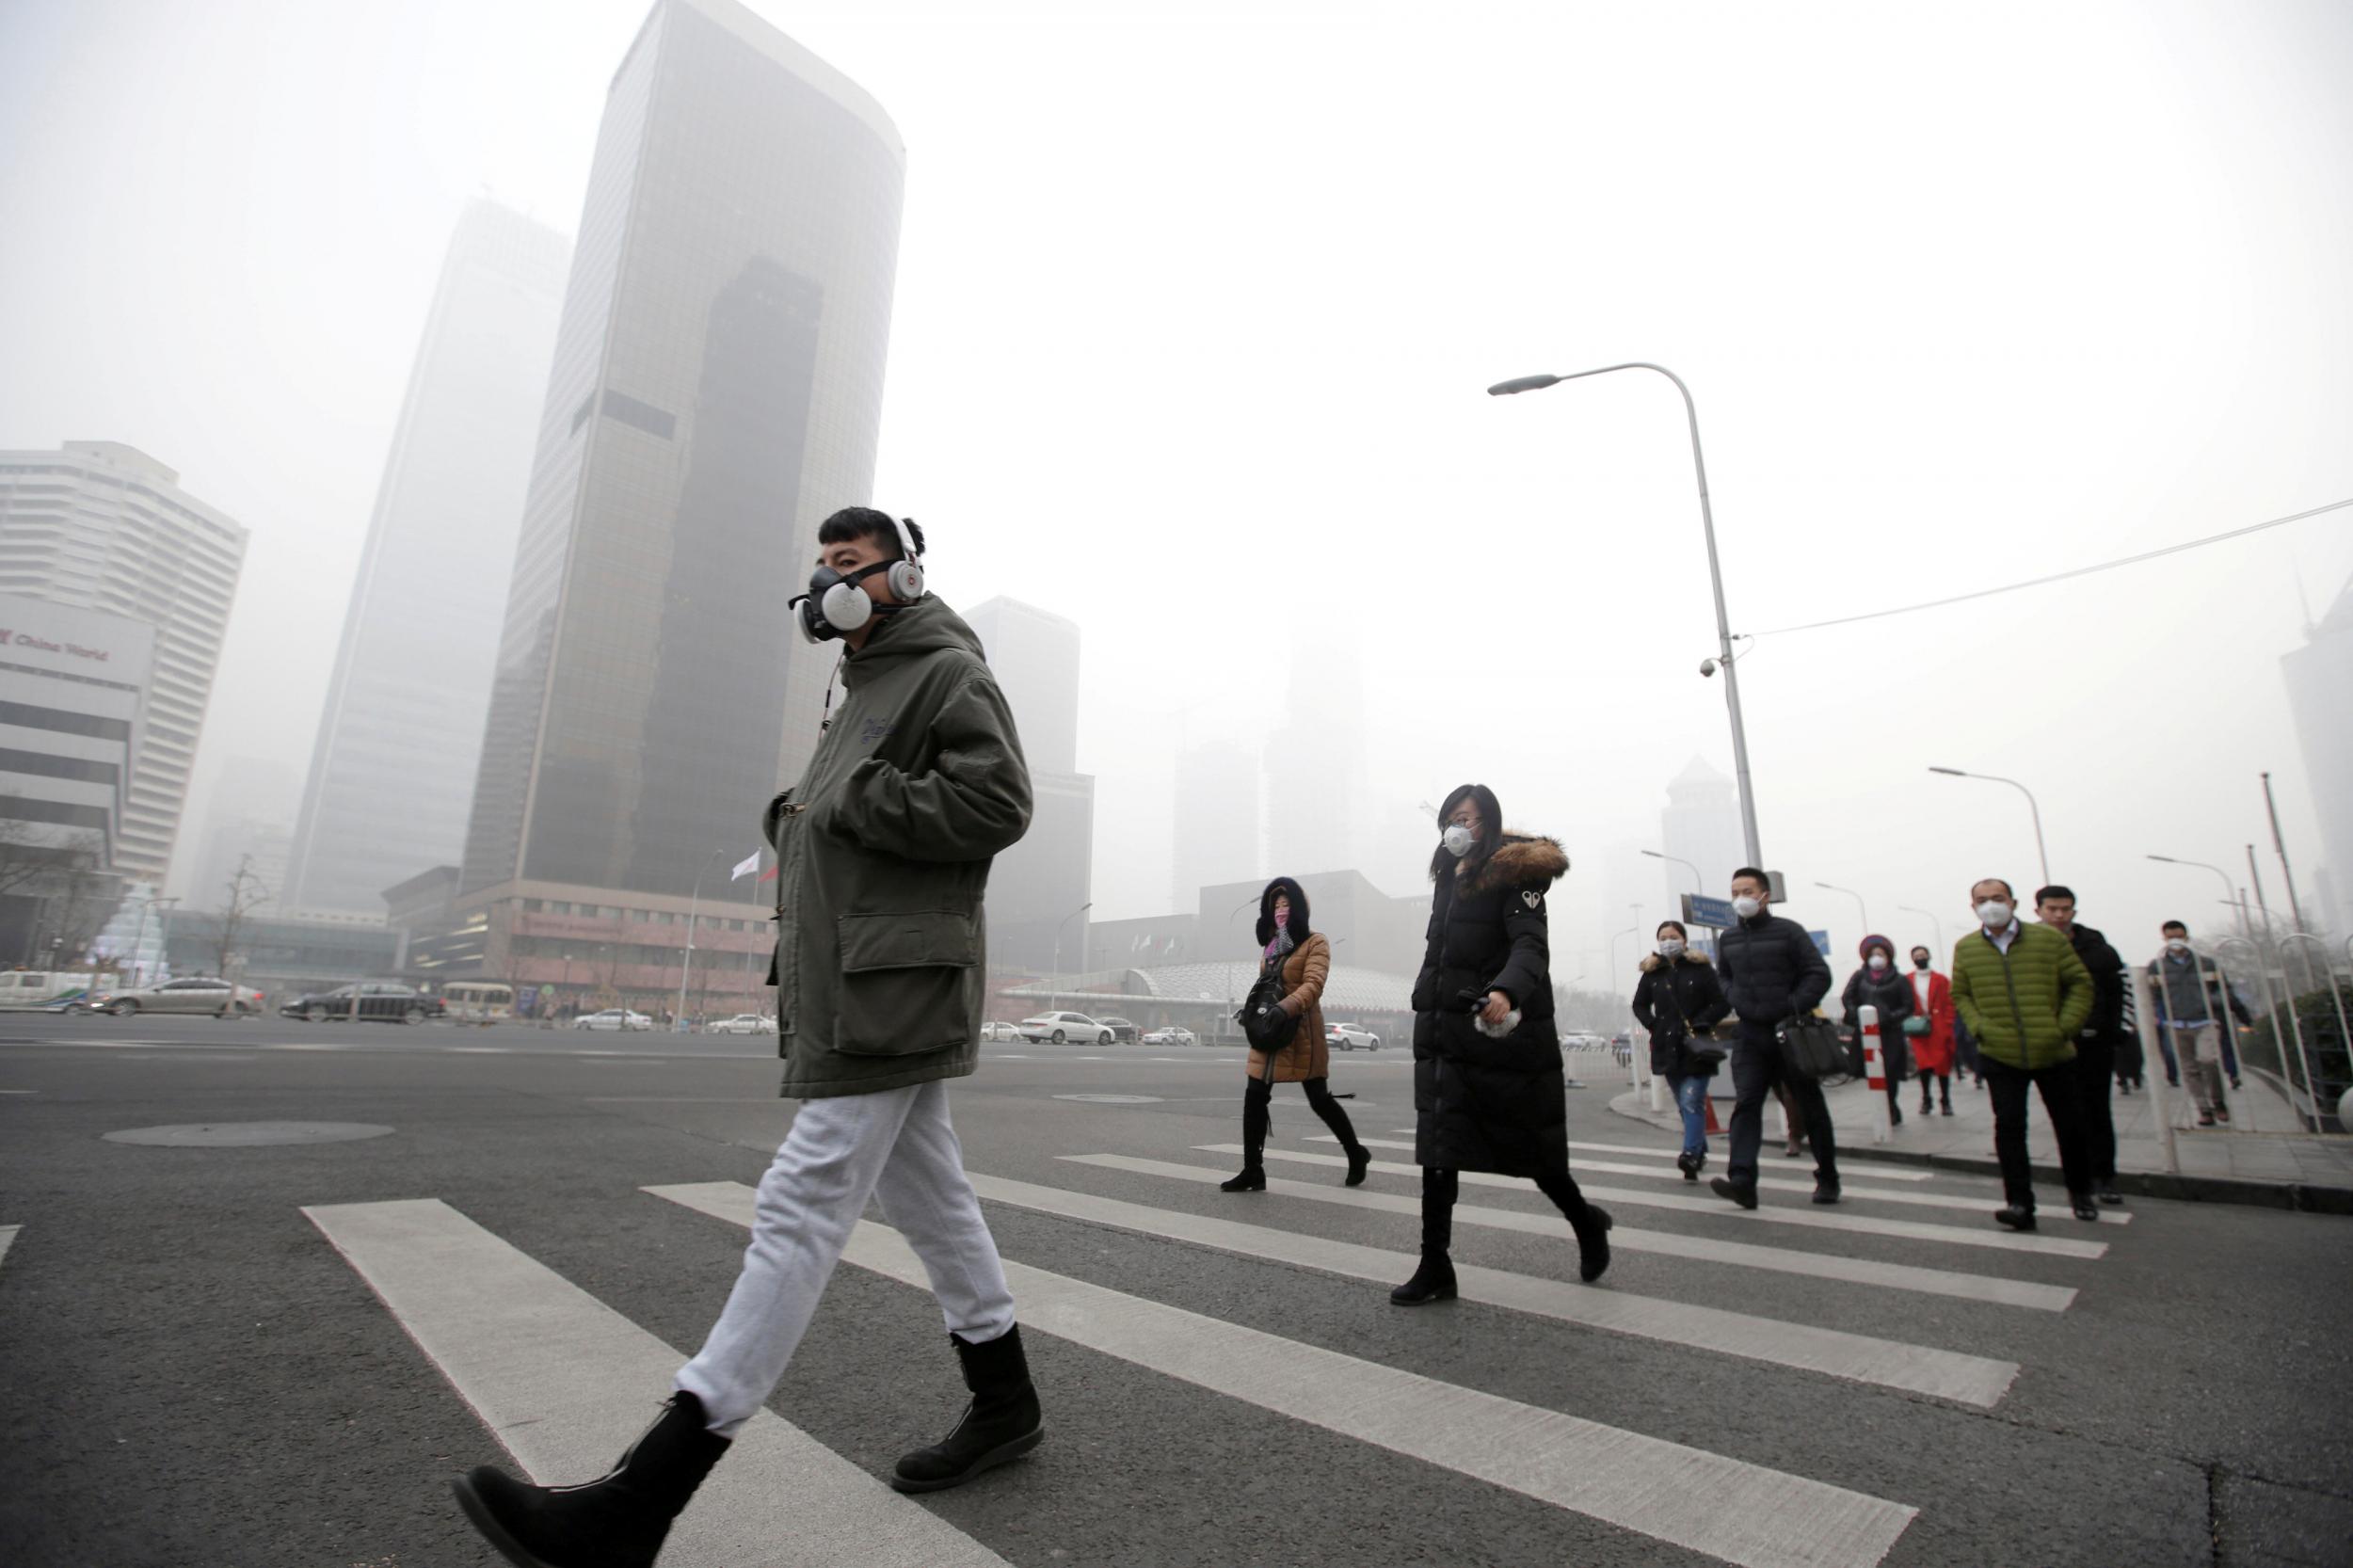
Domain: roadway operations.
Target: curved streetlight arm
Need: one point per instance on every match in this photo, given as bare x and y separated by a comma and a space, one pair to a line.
1715, 573
2042, 855
2230, 889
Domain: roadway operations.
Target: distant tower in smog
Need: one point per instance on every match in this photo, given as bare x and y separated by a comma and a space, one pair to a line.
2319, 676
1701, 824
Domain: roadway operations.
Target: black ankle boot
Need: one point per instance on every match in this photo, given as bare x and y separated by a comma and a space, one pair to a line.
1434, 1281
617, 1522
1359, 1161
1251, 1179
1002, 1422
1592, 1224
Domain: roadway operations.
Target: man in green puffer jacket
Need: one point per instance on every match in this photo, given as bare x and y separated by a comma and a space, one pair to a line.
2025, 996
883, 851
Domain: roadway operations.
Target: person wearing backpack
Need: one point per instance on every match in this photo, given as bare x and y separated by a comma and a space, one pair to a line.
1489, 1090
1294, 962
1678, 1000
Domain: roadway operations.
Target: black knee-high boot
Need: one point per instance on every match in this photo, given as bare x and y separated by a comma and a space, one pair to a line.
1321, 1101
1257, 1117
1433, 1280
1591, 1221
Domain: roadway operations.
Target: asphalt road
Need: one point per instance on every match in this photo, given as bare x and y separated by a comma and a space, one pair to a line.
193, 1374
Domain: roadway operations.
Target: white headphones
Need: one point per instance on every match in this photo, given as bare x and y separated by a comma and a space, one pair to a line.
845, 606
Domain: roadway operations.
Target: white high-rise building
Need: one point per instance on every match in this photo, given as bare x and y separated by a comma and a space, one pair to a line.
2318, 676
102, 526
1215, 820
1037, 887
1702, 826
393, 771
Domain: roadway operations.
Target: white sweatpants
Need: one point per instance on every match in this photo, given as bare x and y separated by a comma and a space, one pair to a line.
896, 1147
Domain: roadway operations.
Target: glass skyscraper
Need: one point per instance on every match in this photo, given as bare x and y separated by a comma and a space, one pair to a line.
393, 774
715, 394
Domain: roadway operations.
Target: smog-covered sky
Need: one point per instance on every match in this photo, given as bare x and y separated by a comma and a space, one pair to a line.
1195, 307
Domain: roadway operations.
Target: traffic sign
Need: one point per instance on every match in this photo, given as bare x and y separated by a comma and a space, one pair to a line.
1714, 913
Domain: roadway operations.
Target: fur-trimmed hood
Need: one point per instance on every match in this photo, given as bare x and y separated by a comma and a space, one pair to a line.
1522, 861
1653, 963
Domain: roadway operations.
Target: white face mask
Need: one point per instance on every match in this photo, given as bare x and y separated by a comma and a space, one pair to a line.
1745, 906
1670, 947
1457, 839
1879, 962
2177, 945
1993, 914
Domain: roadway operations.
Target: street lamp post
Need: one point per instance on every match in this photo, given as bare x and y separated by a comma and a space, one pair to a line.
1932, 920
1714, 575
1697, 886
2041, 854
1058, 931
677, 1024
2230, 889
1861, 907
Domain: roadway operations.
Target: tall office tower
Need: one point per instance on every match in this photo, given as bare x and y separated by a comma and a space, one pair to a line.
1700, 824
1316, 772
715, 394
250, 822
2318, 676
393, 771
1215, 821
104, 526
1039, 888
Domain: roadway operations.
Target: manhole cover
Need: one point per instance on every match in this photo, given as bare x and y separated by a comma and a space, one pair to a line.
232, 1135
1112, 1099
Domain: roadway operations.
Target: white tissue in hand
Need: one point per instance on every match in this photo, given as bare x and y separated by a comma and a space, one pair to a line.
1496, 1031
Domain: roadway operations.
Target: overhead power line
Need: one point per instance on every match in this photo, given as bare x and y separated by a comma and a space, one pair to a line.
2056, 577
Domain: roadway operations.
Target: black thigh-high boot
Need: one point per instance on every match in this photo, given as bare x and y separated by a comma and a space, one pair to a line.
1433, 1280
617, 1522
1319, 1100
1256, 1116
1590, 1221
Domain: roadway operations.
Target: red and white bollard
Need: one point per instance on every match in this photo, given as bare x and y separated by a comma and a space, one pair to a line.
1874, 1073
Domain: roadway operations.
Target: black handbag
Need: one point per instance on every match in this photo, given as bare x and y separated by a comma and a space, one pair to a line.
1811, 1049
1704, 1050
1264, 1023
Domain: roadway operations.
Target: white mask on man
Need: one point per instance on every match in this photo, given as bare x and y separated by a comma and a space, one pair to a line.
1745, 906
2177, 946
1993, 914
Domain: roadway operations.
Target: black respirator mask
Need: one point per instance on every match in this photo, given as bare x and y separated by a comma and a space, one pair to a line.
835, 605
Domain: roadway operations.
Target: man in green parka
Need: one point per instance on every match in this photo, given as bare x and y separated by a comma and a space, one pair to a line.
883, 851
2026, 995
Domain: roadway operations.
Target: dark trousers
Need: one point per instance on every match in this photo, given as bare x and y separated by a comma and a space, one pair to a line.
1756, 1068
2008, 1086
1440, 1187
1932, 1083
1257, 1116
2095, 1068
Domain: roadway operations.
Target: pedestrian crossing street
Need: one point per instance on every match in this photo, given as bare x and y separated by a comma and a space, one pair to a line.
565, 1381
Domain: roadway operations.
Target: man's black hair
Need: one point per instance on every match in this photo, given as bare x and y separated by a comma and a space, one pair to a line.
1921, 947
2175, 925
2007, 891
1762, 880
2044, 895
865, 522
1298, 895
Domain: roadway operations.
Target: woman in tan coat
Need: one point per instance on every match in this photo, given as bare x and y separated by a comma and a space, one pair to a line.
1286, 939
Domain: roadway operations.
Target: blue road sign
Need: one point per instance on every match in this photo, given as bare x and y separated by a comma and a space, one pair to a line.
1714, 913
1821, 939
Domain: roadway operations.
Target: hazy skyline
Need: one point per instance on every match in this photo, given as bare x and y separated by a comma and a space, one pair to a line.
1194, 313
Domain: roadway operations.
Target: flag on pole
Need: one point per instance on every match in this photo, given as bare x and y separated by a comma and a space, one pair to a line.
745, 867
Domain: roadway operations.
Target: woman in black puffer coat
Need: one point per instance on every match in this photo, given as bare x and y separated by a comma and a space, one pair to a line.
1488, 1087
1678, 1000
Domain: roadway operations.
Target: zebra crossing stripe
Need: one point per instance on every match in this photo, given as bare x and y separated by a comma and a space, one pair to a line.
1813, 1219
7, 1233
1726, 1507
1667, 1243
1860, 1358
1871, 1171
1974, 1205
567, 1383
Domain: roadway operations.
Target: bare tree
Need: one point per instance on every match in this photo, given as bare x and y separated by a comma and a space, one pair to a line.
245, 892
25, 855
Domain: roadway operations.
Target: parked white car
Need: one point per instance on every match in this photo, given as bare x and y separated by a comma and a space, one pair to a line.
1061, 1028
993, 1030
613, 1017
1350, 1037
742, 1023
1172, 1035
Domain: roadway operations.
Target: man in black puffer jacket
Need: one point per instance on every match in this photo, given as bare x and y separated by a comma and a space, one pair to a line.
1773, 972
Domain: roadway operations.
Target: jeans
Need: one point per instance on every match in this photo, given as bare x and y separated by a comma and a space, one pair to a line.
1691, 1100
2203, 1049
1756, 1067
2008, 1086
896, 1147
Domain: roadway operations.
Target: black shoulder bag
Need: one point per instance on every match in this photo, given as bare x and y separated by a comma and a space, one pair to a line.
1264, 1023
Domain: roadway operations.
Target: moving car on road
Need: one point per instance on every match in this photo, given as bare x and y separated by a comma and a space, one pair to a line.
1350, 1037
742, 1023
1172, 1035
614, 1017
194, 994
386, 1001
1061, 1028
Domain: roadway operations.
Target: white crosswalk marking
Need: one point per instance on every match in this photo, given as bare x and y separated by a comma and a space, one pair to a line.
1812, 1217
8, 1234
1705, 1249
1864, 1170
1947, 1374
566, 1383
1978, 1205
1727, 1508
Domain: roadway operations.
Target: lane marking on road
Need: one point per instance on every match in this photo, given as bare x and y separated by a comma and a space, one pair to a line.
18, 1091
1861, 1358
1666, 1243
1975, 1204
1811, 1217
1727, 1508
566, 1383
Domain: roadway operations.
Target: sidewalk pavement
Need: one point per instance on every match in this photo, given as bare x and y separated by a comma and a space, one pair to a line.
2260, 1159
